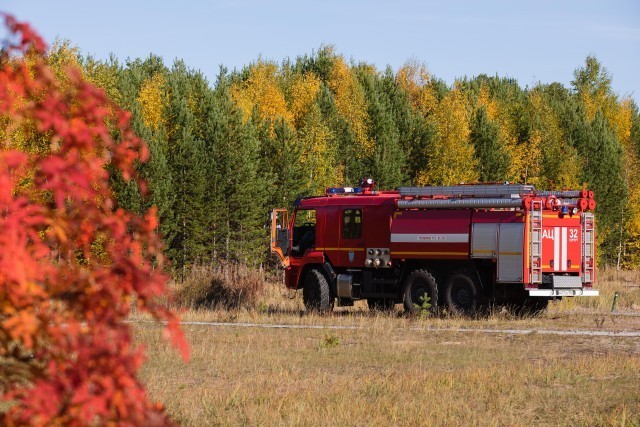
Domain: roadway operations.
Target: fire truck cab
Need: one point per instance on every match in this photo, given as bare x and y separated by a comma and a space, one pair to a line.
454, 247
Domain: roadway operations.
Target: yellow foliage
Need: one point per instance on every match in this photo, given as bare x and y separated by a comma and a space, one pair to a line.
490, 105
262, 91
451, 159
525, 164
532, 159
523, 160
317, 154
23, 134
617, 114
415, 79
103, 77
591, 105
304, 90
60, 56
350, 102
152, 99
548, 140
632, 179
620, 118
507, 133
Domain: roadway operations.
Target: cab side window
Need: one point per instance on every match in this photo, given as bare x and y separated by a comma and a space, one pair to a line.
352, 223
304, 231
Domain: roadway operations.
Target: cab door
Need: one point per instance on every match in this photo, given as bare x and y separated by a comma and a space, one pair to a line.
352, 250
280, 235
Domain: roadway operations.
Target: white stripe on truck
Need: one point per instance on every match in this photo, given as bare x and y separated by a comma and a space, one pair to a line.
429, 238
556, 247
563, 257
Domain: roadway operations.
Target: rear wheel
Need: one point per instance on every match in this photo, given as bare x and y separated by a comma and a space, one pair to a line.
381, 304
315, 294
461, 294
420, 293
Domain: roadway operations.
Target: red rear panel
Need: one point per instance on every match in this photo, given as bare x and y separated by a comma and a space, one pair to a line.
561, 244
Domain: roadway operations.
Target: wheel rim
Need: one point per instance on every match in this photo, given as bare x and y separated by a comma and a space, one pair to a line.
462, 295
418, 291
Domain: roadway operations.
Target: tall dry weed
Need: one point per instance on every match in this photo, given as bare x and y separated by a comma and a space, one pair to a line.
221, 284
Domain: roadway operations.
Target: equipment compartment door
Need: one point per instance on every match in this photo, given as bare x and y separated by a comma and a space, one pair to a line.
510, 253
352, 238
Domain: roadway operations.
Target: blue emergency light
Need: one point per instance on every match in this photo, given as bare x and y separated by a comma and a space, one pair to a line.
343, 190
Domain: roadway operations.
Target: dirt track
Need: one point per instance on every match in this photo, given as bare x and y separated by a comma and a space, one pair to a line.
512, 331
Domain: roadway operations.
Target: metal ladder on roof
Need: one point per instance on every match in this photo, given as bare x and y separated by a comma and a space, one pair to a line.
475, 190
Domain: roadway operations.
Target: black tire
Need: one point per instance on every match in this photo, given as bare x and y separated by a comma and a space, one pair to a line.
316, 294
416, 285
381, 304
461, 294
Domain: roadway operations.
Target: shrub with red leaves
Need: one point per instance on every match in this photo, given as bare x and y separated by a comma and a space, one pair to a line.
66, 354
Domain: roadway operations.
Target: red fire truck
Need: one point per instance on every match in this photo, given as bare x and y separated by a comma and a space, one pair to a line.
455, 247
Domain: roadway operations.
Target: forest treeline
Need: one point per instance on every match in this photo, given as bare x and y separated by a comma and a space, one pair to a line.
224, 153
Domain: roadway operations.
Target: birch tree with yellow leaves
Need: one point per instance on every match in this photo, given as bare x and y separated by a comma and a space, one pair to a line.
261, 90
451, 159
351, 104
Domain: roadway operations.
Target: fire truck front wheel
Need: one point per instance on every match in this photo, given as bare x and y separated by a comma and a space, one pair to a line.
316, 294
420, 293
461, 294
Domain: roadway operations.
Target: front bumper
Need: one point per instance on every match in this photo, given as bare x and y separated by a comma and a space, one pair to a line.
580, 292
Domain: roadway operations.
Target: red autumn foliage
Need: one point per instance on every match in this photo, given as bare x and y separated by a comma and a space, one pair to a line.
66, 354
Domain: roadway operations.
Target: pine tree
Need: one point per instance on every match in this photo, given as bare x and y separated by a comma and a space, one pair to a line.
126, 192
283, 155
632, 249
347, 165
415, 132
387, 161
603, 173
246, 194
492, 161
238, 186
159, 178
187, 161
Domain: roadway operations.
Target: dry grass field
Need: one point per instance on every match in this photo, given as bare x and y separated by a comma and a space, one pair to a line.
385, 368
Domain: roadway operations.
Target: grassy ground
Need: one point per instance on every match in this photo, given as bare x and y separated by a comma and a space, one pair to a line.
315, 377
395, 370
